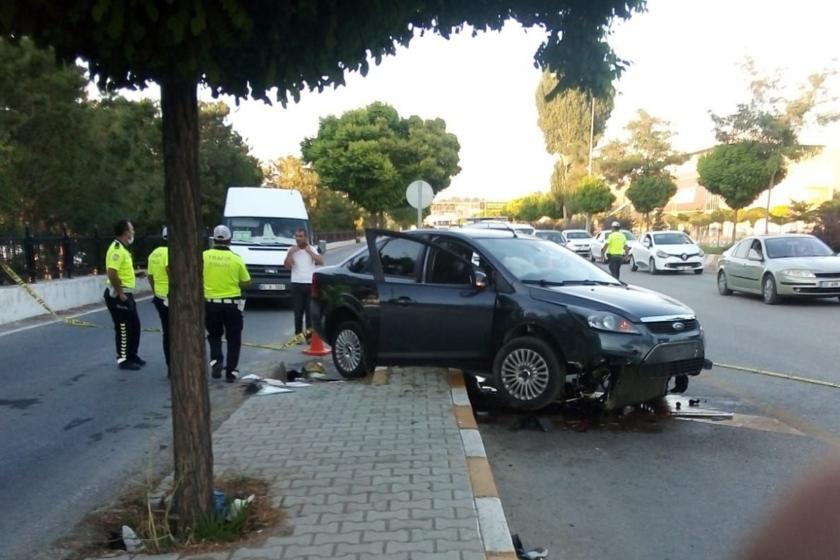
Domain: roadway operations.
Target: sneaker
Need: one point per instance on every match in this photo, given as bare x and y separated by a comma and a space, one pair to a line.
138, 360
216, 368
232, 376
128, 365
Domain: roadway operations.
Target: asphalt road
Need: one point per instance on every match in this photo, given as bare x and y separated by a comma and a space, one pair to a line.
75, 429
658, 487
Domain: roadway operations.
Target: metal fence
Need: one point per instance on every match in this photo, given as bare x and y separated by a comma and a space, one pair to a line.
45, 257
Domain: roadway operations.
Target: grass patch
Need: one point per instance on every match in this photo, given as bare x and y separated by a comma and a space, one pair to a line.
714, 249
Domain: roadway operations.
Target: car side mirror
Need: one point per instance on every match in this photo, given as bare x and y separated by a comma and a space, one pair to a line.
754, 255
322, 247
479, 280
646, 244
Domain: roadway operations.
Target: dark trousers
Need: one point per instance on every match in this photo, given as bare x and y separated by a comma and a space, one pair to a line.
126, 325
615, 262
163, 312
301, 296
224, 319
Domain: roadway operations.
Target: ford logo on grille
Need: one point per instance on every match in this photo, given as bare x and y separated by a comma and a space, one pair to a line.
678, 326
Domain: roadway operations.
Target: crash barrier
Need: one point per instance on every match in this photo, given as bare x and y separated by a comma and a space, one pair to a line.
88, 325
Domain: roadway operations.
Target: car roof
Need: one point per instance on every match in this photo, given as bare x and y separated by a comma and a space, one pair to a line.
580, 230
469, 233
548, 231
665, 231
779, 235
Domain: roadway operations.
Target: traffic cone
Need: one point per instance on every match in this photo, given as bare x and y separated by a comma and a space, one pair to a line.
317, 346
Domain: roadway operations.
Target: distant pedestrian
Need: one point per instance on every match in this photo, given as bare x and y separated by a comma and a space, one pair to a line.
119, 297
225, 275
615, 249
302, 260
159, 282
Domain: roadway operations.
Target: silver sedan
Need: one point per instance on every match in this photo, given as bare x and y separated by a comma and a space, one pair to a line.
780, 266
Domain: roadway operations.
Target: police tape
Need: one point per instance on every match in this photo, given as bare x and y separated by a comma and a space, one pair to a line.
295, 340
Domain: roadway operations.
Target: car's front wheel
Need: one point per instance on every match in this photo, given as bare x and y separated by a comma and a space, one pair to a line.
350, 351
652, 266
633, 266
769, 291
528, 374
723, 287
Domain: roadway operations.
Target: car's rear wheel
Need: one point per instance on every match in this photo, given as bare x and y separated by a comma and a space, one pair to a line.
592, 256
528, 374
769, 291
723, 287
652, 266
633, 266
350, 350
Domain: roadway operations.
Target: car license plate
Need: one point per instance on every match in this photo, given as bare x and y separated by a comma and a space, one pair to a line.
831, 284
272, 287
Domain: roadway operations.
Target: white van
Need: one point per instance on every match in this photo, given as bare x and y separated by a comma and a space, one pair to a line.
263, 221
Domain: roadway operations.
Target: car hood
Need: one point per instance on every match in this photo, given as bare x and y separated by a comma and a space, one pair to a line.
679, 249
630, 301
814, 264
580, 242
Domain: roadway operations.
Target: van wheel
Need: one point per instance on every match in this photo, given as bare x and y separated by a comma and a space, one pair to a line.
350, 351
528, 374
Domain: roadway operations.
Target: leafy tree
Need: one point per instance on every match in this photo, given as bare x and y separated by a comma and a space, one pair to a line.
566, 119
736, 172
531, 208
801, 211
751, 216
334, 212
373, 154
650, 192
773, 119
700, 222
592, 196
242, 48
289, 172
780, 215
827, 227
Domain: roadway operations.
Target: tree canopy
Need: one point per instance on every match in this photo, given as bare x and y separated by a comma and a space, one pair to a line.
373, 154
592, 196
531, 208
651, 192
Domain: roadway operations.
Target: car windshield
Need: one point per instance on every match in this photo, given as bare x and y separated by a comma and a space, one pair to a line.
264, 231
577, 235
785, 247
542, 262
672, 239
629, 235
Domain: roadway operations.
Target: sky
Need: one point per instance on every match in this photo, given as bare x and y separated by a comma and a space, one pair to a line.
685, 55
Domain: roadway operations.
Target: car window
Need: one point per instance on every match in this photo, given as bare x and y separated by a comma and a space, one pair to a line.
756, 246
740, 251
360, 264
577, 235
400, 257
446, 268
672, 239
628, 235
784, 247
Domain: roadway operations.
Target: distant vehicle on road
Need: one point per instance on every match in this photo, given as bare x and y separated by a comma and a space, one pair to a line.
661, 251
527, 229
578, 240
551, 235
780, 266
541, 323
598, 243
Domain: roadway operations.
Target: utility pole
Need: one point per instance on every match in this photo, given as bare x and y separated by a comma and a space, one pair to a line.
591, 132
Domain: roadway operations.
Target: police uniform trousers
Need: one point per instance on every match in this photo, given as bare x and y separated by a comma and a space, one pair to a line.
224, 319
615, 262
126, 325
163, 313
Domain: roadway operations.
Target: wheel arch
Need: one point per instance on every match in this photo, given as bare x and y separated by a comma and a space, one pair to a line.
538, 331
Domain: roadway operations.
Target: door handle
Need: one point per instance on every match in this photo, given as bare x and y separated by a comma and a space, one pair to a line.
404, 300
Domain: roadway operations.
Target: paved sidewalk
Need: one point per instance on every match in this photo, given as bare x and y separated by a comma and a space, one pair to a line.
367, 470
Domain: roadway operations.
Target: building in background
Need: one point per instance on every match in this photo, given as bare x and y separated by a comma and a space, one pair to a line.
455, 211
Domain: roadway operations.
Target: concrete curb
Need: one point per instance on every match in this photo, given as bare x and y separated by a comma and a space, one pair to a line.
492, 524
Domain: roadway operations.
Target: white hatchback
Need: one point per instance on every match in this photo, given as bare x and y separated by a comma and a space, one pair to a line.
578, 240
667, 250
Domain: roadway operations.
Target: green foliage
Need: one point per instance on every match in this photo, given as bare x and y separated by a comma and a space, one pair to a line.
531, 208
736, 172
650, 192
827, 227
373, 154
802, 211
751, 215
592, 196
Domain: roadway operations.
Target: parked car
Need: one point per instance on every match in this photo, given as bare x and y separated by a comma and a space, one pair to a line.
526, 229
540, 323
780, 266
597, 244
667, 250
578, 240
552, 235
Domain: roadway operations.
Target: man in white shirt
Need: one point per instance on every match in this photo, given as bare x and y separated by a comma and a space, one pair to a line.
302, 259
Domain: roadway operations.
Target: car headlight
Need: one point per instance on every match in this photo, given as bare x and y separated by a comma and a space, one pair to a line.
700, 253
799, 273
662, 254
605, 321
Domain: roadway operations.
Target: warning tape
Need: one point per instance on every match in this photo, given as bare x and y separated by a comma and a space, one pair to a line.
787, 376
79, 323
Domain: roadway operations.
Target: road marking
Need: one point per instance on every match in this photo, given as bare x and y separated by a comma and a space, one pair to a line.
787, 376
55, 321
751, 422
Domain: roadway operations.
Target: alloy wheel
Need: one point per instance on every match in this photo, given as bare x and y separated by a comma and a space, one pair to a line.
525, 374
348, 350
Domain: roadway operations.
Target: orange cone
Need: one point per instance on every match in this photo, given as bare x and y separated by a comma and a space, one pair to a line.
317, 346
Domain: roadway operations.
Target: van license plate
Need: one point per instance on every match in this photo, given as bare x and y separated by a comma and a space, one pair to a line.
272, 287
833, 284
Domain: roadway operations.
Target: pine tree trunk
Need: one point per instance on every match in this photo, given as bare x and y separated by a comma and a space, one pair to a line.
193, 498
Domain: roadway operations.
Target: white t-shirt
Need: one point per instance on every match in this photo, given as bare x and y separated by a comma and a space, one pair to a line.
303, 266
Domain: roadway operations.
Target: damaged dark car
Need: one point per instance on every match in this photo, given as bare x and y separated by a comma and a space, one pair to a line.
539, 323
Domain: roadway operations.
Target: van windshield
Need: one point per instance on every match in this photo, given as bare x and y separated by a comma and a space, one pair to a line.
264, 231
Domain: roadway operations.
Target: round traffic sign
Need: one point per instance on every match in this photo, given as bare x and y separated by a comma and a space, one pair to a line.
419, 194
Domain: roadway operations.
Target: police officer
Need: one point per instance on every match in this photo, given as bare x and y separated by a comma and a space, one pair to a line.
615, 248
119, 297
159, 282
224, 277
